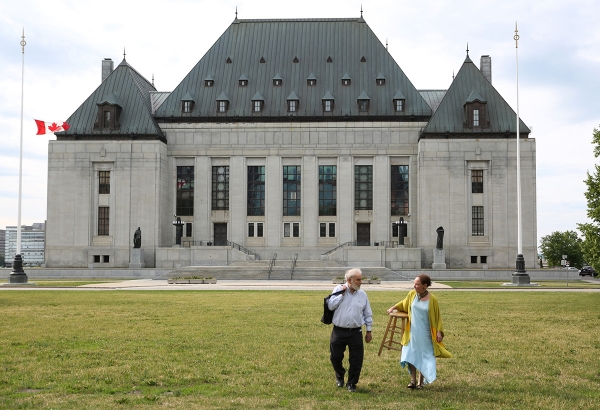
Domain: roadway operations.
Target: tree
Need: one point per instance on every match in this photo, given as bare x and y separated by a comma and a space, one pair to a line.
556, 244
591, 230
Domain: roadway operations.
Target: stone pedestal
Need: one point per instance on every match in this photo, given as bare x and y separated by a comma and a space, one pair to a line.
439, 259
136, 259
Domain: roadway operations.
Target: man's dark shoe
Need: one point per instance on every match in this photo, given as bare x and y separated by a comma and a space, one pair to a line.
339, 381
351, 388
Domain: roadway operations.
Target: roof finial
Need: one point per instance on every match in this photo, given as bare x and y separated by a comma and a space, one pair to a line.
467, 49
516, 37
452, 75
152, 79
236, 12
386, 43
123, 53
361, 11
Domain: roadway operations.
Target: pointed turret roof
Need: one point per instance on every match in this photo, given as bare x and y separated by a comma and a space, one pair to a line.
470, 85
129, 90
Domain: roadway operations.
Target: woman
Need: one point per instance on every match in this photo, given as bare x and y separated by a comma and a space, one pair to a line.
423, 335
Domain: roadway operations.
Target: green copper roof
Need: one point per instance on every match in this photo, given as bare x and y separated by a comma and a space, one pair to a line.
470, 85
325, 49
126, 88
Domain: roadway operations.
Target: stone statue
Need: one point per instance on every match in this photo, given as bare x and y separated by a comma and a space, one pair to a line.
440, 238
137, 238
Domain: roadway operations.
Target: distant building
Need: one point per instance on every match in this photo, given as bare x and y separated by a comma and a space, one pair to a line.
302, 138
32, 244
2, 244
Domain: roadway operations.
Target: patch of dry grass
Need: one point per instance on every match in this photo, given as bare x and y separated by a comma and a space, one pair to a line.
267, 349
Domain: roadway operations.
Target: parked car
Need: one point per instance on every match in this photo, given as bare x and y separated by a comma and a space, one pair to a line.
588, 270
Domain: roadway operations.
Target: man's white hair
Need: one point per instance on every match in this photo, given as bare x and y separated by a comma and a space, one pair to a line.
352, 272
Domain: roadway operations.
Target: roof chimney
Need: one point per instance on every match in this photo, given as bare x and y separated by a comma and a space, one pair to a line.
485, 66
107, 68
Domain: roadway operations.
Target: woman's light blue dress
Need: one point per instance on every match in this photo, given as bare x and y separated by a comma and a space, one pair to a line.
419, 351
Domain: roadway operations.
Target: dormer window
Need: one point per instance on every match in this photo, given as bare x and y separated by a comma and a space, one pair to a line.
380, 79
363, 102
292, 102
109, 113
208, 81
222, 103
243, 80
311, 80
258, 102
475, 111
187, 103
399, 101
327, 102
277, 81
346, 80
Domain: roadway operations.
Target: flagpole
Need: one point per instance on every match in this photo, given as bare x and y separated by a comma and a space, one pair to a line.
18, 275
520, 277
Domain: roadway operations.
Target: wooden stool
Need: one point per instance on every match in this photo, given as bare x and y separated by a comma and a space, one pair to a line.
392, 328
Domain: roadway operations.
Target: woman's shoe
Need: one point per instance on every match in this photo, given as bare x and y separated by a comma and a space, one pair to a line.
411, 385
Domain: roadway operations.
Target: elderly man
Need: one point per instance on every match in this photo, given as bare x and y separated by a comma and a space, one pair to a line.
351, 311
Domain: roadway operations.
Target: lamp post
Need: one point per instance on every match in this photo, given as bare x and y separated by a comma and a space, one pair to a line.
178, 224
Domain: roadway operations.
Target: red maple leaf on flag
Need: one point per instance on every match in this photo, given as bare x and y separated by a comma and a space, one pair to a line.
66, 126
53, 127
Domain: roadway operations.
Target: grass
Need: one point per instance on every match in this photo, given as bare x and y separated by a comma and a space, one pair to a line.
267, 349
486, 284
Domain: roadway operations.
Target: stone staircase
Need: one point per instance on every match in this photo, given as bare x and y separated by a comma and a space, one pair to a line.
281, 270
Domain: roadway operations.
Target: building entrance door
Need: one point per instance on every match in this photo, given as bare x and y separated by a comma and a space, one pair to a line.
220, 234
363, 234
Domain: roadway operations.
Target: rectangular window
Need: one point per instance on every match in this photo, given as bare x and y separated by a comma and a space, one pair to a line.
473, 259
399, 190
291, 190
104, 183
106, 119
477, 221
323, 230
286, 230
327, 190
483, 259
96, 258
476, 118
187, 106
332, 229
394, 230
188, 229
296, 230
363, 187
399, 104
327, 105
477, 181
105, 258
292, 104
222, 106
185, 191
363, 105
259, 230
251, 230
220, 188
103, 219
257, 106
256, 191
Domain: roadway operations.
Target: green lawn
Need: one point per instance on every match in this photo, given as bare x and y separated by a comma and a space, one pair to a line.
486, 284
267, 349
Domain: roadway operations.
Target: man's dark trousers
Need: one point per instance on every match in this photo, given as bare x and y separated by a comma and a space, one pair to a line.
340, 338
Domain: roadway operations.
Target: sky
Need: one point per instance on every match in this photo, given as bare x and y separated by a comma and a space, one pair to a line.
558, 71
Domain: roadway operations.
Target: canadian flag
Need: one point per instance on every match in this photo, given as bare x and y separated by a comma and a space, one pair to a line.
44, 127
